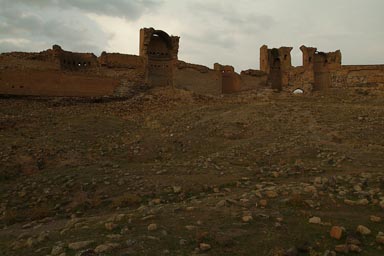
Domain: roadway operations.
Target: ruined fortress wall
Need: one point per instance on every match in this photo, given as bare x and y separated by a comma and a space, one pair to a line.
253, 79
231, 82
22, 61
300, 77
358, 76
75, 61
343, 77
197, 78
56, 72
46, 74
55, 83
117, 60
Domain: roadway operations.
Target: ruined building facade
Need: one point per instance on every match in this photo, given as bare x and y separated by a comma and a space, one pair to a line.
56, 72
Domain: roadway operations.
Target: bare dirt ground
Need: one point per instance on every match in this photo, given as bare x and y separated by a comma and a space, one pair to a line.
168, 172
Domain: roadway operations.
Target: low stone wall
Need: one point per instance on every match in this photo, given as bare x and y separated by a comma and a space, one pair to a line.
197, 78
253, 79
55, 83
117, 60
358, 76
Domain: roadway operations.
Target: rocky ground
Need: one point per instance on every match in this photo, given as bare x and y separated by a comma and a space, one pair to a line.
171, 173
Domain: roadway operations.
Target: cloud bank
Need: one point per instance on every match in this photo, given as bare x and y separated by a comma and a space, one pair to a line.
225, 31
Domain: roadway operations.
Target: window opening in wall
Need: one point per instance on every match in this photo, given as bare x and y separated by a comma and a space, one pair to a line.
310, 59
285, 57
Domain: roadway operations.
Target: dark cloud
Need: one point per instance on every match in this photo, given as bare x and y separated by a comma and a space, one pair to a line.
226, 31
26, 25
128, 9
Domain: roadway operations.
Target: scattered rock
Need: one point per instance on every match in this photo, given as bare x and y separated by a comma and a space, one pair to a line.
352, 240
30, 242
380, 238
263, 203
357, 188
291, 252
336, 232
362, 202
221, 203
152, 227
310, 189
110, 226
271, 194
375, 218
106, 247
89, 252
349, 202
315, 220
79, 245
190, 227
176, 189
247, 218
363, 230
354, 248
342, 248
57, 250
204, 247
43, 236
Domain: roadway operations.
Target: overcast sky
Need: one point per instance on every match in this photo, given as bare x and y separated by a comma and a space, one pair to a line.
224, 31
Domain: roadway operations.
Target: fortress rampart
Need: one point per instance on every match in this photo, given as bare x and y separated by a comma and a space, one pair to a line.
56, 72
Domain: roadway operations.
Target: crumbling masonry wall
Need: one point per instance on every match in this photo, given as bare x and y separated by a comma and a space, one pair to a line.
252, 79
277, 64
230, 80
321, 71
159, 51
197, 78
56, 72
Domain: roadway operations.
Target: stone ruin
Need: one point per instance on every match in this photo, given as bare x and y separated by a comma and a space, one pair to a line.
56, 72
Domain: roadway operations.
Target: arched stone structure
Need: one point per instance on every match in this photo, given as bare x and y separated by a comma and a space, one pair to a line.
160, 51
277, 64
